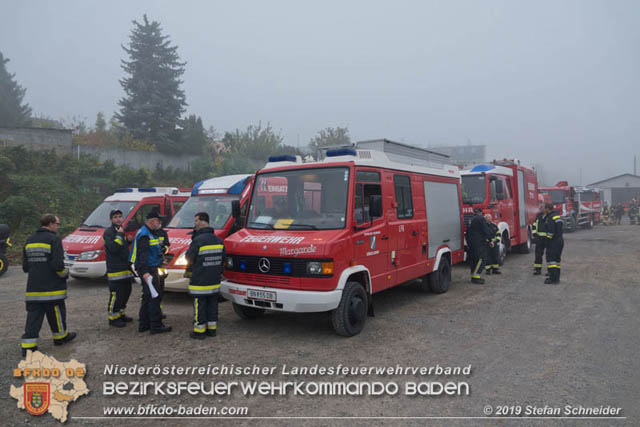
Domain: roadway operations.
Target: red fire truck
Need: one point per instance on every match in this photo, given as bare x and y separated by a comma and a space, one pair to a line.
360, 221
507, 191
84, 248
578, 206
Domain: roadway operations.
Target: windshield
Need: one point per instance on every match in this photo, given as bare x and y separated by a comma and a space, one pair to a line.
218, 208
474, 189
303, 199
557, 196
100, 216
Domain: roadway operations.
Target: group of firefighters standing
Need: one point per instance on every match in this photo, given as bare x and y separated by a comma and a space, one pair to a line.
613, 215
43, 260
483, 240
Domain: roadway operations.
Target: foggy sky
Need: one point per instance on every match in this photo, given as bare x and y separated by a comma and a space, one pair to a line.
552, 83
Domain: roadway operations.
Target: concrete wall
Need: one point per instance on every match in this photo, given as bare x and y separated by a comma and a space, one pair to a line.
37, 139
137, 159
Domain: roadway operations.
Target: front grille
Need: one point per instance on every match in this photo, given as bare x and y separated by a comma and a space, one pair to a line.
266, 279
298, 266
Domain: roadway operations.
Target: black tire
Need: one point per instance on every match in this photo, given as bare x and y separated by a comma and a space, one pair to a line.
440, 279
525, 248
590, 222
571, 224
247, 312
4, 264
349, 318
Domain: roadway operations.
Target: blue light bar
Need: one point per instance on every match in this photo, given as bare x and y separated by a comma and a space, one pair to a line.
124, 190
482, 168
243, 264
194, 190
341, 152
238, 186
282, 158
147, 190
286, 267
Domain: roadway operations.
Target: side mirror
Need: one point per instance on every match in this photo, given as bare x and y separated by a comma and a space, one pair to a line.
235, 209
375, 206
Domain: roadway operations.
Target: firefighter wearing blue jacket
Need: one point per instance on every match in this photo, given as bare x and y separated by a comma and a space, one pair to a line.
205, 258
146, 255
43, 260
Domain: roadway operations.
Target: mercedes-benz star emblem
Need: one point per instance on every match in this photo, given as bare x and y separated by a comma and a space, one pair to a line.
264, 265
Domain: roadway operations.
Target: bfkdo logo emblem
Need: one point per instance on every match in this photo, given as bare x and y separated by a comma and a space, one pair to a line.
36, 397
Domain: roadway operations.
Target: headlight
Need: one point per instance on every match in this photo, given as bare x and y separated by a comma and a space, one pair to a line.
182, 259
229, 263
89, 255
315, 267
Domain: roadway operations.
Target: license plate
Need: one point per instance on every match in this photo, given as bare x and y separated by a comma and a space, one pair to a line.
261, 295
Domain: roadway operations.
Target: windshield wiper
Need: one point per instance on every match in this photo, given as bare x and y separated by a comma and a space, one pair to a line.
92, 226
309, 226
261, 223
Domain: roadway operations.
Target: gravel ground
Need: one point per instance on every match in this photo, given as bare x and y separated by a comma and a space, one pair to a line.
527, 343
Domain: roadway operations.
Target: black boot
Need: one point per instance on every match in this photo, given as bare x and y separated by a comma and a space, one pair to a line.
488, 271
477, 281
160, 330
537, 271
496, 271
118, 323
197, 335
70, 336
212, 332
24, 350
126, 318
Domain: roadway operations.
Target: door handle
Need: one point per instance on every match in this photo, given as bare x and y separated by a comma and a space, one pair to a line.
414, 233
446, 240
384, 238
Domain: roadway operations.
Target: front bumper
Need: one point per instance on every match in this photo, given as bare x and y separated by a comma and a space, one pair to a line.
86, 269
286, 299
175, 280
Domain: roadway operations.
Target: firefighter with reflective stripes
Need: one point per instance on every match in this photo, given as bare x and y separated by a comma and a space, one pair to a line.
540, 234
478, 239
555, 244
146, 255
205, 258
493, 252
43, 260
119, 274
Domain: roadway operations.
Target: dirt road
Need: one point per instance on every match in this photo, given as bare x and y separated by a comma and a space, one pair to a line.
528, 344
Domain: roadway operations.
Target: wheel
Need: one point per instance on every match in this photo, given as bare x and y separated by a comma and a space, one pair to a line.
590, 223
571, 224
348, 319
525, 248
4, 264
440, 279
247, 312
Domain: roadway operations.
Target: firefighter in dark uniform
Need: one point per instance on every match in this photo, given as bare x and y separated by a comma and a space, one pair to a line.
205, 258
119, 274
493, 252
146, 255
164, 243
478, 238
540, 235
555, 244
633, 213
43, 259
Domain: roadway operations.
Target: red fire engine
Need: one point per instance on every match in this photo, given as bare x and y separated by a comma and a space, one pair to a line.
507, 191
84, 248
359, 221
578, 206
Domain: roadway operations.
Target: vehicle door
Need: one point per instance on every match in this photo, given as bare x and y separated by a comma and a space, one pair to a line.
404, 229
371, 235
